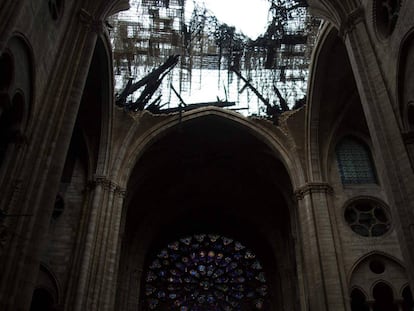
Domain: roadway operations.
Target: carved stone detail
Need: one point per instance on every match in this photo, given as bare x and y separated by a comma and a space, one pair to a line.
95, 25
353, 18
313, 187
106, 184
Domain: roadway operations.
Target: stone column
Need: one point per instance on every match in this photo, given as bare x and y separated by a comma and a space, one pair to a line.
96, 287
323, 273
9, 168
41, 167
392, 159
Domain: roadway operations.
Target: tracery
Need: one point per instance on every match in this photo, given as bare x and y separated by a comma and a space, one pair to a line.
205, 272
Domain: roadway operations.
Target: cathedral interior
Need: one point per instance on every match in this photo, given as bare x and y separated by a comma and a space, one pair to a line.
289, 185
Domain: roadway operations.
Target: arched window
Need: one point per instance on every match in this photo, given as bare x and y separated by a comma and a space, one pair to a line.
384, 298
42, 300
7, 71
355, 162
358, 301
10, 123
386, 14
205, 272
408, 302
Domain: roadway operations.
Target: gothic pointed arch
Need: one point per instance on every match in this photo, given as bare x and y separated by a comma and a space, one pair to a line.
337, 12
384, 297
213, 174
104, 54
95, 110
47, 292
142, 134
358, 300
405, 80
17, 94
332, 97
379, 268
405, 93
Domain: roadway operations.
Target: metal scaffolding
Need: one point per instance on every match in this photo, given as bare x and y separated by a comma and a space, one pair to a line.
153, 30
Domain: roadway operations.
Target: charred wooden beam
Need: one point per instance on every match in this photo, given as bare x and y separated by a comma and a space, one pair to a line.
283, 104
220, 104
179, 96
271, 110
152, 81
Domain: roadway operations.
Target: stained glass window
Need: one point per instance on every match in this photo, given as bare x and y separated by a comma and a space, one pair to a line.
205, 272
354, 162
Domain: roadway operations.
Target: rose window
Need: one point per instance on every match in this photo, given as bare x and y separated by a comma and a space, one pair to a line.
367, 218
205, 273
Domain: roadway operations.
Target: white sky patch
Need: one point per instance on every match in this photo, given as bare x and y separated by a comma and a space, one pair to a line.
248, 16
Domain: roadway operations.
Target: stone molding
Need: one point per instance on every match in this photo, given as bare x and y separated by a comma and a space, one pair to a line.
352, 19
95, 25
106, 184
312, 187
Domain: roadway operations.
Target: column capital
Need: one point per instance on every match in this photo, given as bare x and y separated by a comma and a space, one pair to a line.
106, 184
353, 18
95, 25
119, 191
312, 187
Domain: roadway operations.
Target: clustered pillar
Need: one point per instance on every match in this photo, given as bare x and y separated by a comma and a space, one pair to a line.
99, 261
324, 287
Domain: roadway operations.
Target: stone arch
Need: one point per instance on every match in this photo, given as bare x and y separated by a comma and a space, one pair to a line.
332, 87
407, 297
384, 296
101, 11
47, 291
135, 144
95, 111
385, 282
337, 12
360, 289
358, 299
405, 93
206, 203
374, 253
85, 155
24, 77
104, 53
7, 69
17, 97
114, 7
362, 276
340, 130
